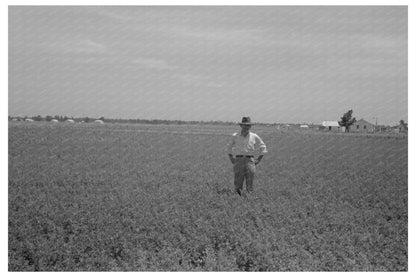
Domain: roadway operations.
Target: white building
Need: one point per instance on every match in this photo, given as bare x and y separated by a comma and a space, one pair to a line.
331, 125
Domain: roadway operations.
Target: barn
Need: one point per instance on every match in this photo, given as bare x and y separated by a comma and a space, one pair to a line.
70, 121
331, 126
362, 126
99, 121
54, 120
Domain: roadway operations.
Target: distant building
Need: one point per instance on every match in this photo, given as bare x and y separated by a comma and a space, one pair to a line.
385, 129
304, 127
403, 128
331, 126
362, 126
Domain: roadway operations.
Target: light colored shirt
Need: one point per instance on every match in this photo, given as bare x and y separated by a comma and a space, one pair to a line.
249, 145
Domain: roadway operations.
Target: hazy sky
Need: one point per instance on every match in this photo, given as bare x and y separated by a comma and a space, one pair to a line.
276, 64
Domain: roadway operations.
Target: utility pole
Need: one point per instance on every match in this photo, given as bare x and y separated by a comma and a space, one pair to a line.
376, 123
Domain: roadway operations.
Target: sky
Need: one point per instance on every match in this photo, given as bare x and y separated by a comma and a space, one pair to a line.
276, 64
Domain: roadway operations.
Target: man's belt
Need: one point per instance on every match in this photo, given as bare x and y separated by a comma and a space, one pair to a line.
241, 156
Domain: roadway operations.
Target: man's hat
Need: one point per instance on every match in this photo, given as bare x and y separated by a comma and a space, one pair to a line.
246, 121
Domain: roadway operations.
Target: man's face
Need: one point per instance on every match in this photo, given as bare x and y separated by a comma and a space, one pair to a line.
245, 128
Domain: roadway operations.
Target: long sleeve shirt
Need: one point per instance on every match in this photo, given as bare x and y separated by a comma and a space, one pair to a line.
249, 145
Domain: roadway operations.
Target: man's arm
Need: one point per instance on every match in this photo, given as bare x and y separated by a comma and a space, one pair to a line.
230, 150
263, 149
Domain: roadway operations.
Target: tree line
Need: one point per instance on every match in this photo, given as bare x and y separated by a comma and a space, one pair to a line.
118, 120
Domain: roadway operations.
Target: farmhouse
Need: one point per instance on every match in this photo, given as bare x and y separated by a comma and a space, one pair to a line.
99, 121
29, 120
331, 126
362, 126
70, 121
54, 120
304, 127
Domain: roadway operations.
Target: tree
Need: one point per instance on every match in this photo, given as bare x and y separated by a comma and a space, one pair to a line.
347, 120
37, 118
402, 126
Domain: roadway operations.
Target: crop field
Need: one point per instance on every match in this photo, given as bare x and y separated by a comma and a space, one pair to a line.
119, 197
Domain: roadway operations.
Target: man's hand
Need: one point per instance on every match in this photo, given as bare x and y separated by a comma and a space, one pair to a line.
257, 161
232, 159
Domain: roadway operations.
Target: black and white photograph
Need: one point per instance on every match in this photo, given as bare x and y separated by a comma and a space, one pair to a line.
207, 138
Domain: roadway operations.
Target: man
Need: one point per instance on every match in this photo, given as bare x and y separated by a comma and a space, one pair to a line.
245, 145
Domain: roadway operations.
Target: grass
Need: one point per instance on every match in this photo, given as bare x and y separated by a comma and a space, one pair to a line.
159, 198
